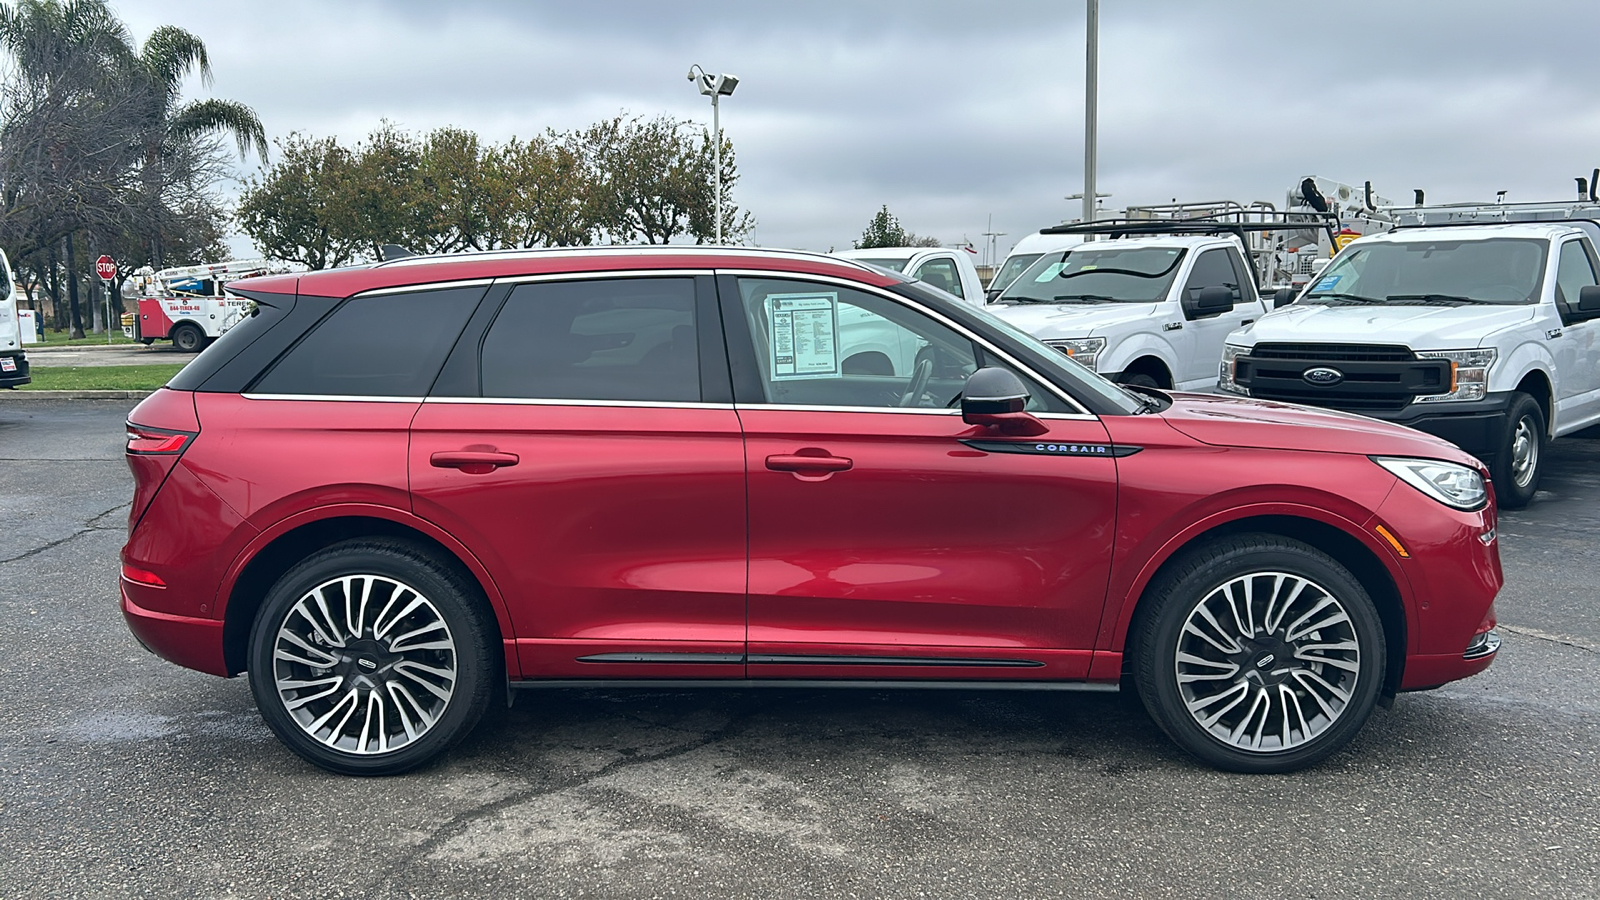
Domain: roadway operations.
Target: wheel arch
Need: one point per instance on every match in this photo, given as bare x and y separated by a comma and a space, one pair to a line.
1121, 356
1536, 383
276, 551
1363, 561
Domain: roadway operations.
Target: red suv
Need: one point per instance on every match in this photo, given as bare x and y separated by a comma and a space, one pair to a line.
393, 491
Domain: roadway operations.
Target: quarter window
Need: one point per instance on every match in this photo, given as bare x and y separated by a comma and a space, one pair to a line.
610, 339
383, 345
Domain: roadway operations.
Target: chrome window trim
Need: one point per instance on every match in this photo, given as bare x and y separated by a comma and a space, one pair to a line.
625, 250
538, 401
805, 407
937, 316
347, 398
425, 286
604, 275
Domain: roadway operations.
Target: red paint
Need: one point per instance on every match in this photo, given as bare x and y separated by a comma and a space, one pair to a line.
153, 319
778, 538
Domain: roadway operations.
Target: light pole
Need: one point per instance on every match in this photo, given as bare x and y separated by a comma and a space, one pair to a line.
716, 87
1091, 77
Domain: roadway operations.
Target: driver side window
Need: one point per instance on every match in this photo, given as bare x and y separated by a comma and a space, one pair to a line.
827, 345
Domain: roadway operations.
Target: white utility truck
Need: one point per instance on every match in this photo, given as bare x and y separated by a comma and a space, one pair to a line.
1472, 323
1150, 306
190, 305
13, 361
948, 270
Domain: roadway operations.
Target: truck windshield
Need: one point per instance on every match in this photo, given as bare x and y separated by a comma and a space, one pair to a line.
898, 265
1015, 265
1506, 271
1097, 275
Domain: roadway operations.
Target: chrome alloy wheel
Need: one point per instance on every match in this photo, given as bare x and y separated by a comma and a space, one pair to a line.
364, 664
1267, 662
1524, 451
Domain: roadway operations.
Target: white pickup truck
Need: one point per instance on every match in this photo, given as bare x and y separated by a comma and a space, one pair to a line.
950, 271
1152, 311
13, 362
1482, 334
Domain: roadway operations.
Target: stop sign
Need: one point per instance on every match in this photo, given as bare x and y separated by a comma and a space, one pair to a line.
106, 268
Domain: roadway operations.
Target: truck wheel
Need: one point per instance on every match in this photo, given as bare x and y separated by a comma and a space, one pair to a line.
188, 338
1519, 460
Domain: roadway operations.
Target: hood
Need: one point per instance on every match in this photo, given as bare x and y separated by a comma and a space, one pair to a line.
1244, 422
1417, 327
1072, 320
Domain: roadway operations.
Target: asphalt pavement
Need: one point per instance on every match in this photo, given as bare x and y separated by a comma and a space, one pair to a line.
125, 776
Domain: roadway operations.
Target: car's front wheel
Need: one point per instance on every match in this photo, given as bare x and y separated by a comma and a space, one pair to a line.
1518, 461
371, 658
1259, 653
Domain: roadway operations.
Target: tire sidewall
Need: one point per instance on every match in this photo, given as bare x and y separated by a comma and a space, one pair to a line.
1156, 666
475, 670
188, 334
1507, 493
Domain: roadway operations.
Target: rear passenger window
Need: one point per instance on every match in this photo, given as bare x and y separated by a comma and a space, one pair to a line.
610, 339
383, 345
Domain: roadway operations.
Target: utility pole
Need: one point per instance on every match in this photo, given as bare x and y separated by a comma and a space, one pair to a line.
1091, 58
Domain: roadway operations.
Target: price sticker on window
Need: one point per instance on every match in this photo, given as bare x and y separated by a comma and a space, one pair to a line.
803, 335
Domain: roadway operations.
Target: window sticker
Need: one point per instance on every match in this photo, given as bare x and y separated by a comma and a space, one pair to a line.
803, 340
1327, 284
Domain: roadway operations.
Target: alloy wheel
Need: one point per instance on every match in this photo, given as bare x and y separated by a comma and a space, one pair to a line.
364, 664
1267, 662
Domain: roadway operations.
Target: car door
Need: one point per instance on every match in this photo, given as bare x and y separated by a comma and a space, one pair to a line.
1204, 335
1576, 349
580, 442
888, 539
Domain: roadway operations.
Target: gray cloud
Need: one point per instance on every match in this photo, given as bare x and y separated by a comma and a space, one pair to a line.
950, 112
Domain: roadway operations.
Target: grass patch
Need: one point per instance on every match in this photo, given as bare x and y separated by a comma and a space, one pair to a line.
100, 378
49, 338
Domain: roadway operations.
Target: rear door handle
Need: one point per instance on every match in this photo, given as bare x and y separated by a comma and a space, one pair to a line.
473, 462
801, 463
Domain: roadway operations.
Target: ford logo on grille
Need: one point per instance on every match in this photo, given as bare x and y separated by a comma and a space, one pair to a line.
1323, 376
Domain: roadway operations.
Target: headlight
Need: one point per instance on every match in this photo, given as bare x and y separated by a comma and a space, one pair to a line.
1225, 373
1453, 485
1469, 373
1084, 351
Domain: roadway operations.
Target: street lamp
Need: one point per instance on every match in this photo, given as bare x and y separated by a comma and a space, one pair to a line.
715, 87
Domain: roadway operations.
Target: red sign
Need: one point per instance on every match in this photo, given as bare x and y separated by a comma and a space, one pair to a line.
106, 268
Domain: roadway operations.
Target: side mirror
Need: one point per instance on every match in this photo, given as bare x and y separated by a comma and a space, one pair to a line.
1282, 297
1589, 300
1208, 301
997, 398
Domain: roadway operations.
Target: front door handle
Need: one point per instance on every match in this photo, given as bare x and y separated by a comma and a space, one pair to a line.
1246, 322
800, 462
473, 462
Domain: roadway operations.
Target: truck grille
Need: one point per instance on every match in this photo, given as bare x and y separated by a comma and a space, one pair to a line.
1370, 378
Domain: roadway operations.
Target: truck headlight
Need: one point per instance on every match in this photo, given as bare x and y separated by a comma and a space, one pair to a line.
1450, 483
1469, 373
1225, 372
1084, 351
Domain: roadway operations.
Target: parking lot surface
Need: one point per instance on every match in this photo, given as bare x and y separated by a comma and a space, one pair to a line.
123, 775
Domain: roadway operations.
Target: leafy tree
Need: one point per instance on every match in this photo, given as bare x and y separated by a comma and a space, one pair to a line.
884, 230
299, 210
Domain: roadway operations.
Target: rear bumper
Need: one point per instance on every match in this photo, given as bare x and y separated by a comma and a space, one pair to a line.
21, 374
194, 643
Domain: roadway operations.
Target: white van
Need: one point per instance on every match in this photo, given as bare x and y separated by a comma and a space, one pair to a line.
1024, 254
13, 362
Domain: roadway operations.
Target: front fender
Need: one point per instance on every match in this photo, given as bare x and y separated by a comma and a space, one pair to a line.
1119, 355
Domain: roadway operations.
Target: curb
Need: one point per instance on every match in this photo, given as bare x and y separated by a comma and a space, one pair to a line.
74, 395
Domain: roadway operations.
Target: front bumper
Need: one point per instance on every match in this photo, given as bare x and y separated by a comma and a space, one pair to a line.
10, 378
1476, 426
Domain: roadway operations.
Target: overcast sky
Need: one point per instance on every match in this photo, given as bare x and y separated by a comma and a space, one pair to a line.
951, 112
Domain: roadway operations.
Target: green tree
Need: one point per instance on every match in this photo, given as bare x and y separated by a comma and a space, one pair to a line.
884, 230
299, 209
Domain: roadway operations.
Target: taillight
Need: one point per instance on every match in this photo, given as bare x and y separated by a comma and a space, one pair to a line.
145, 441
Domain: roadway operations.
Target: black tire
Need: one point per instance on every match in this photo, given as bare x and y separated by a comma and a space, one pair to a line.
188, 338
389, 674
1519, 460
1139, 379
1263, 568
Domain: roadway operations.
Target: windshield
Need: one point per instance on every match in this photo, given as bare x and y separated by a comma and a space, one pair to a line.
1014, 265
898, 265
1105, 274
1088, 380
1504, 271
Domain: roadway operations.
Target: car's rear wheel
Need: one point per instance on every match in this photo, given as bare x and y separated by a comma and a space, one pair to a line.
1259, 654
371, 658
1518, 462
